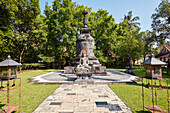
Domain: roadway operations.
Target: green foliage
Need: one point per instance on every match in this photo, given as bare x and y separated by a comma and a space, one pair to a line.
23, 28
104, 32
26, 34
129, 39
148, 38
161, 21
27, 66
46, 59
63, 21
132, 22
27, 27
6, 17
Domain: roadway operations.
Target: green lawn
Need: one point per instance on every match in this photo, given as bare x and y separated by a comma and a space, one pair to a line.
132, 94
32, 95
122, 70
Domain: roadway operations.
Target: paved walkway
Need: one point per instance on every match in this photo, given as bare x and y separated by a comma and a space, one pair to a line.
87, 98
58, 77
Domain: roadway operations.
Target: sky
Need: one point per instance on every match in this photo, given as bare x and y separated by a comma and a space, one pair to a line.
118, 8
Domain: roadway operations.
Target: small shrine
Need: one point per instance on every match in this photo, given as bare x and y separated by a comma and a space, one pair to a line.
153, 68
8, 69
8, 75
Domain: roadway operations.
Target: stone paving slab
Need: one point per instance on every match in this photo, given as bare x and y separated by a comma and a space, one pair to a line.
58, 77
86, 98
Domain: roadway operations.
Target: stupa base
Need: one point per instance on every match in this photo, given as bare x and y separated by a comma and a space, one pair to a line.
98, 70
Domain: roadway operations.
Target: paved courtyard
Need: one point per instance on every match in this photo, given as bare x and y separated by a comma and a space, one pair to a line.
87, 98
58, 77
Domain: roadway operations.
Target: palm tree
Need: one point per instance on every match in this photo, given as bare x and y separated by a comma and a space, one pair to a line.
131, 21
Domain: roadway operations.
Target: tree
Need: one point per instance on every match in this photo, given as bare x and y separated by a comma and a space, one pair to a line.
104, 32
132, 22
27, 27
128, 41
63, 21
48, 60
21, 27
161, 21
6, 19
148, 38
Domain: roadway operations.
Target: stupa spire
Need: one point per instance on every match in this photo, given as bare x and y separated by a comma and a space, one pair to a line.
85, 20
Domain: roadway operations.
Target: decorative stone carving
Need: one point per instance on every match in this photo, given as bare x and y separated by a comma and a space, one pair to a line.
83, 70
130, 70
84, 61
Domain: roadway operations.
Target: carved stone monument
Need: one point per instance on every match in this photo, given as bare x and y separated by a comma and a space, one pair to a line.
83, 71
130, 70
86, 42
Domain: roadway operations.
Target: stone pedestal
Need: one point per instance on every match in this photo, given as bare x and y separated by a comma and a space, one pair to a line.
69, 70
101, 70
84, 78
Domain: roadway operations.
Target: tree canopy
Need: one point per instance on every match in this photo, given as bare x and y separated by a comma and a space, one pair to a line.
28, 36
161, 21
21, 27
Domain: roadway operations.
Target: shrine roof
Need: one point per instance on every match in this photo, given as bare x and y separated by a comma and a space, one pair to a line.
9, 62
154, 61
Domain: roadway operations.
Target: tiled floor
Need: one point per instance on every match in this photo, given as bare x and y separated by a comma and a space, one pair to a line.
86, 98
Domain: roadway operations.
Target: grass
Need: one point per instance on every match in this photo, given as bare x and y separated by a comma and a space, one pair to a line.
122, 70
31, 95
132, 94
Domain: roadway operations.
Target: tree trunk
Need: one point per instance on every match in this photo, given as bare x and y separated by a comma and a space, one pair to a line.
20, 57
168, 68
144, 57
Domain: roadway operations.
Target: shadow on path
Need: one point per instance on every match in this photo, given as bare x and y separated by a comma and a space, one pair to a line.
68, 78
104, 79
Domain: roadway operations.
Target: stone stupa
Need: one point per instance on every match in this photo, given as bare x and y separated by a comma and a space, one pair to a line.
85, 42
